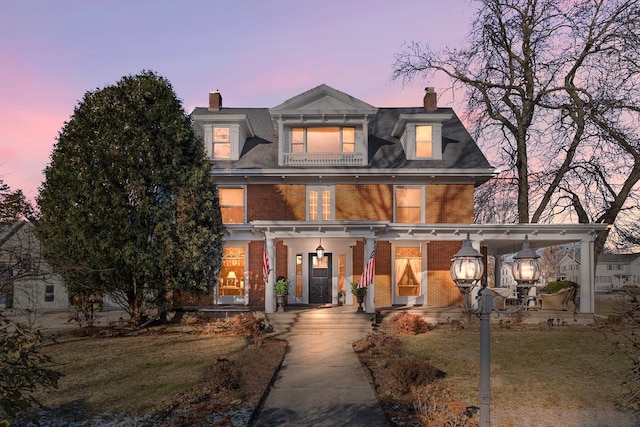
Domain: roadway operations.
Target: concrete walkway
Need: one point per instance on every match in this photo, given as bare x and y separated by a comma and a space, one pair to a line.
321, 382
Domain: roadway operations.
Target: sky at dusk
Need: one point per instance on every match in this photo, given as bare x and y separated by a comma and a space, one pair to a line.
257, 53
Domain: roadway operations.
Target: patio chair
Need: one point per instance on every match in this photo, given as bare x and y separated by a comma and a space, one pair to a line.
560, 301
500, 297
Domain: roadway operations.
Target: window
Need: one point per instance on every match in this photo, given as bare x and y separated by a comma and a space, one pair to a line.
408, 270
424, 141
221, 143
409, 204
320, 201
323, 140
232, 205
231, 281
299, 275
49, 293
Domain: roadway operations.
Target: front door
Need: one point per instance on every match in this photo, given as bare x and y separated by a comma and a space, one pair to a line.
319, 279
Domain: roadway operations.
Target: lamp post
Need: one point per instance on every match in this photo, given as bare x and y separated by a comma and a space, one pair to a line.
466, 271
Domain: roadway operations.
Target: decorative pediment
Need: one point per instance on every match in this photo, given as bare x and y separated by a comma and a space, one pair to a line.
323, 100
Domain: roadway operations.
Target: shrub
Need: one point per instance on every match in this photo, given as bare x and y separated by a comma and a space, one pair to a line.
622, 333
553, 287
246, 324
409, 323
436, 407
223, 375
414, 372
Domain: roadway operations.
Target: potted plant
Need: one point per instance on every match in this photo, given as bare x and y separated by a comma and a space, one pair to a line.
359, 293
281, 290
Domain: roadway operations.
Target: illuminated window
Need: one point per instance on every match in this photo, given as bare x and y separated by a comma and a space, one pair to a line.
408, 270
298, 275
221, 143
231, 281
232, 205
408, 202
320, 202
323, 140
424, 141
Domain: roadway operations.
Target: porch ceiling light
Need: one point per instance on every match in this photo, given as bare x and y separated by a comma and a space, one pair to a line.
466, 266
320, 250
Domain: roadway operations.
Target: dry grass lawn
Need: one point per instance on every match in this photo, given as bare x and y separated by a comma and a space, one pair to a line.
570, 371
132, 374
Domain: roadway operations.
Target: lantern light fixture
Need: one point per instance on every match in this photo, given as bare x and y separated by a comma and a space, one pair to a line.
320, 251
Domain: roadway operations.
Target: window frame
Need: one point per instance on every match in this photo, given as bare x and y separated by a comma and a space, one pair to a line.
421, 206
419, 275
418, 141
244, 201
304, 144
220, 143
320, 204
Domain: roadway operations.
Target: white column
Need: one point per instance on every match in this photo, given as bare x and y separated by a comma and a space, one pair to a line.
587, 277
370, 305
269, 297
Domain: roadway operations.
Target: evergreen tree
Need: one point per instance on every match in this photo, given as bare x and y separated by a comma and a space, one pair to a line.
127, 207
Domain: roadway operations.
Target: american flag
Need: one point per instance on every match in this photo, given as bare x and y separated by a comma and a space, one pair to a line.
265, 264
369, 270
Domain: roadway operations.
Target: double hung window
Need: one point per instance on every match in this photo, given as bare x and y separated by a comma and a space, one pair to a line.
221, 143
408, 204
232, 203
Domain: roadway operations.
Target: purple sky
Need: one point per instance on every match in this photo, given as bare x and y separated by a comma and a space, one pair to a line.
258, 53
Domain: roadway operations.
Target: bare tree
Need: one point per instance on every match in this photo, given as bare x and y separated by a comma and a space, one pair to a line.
553, 93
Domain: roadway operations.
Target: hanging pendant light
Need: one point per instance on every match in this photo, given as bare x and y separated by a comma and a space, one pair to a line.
320, 251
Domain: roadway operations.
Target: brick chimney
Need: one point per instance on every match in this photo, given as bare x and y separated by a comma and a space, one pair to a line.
215, 101
430, 100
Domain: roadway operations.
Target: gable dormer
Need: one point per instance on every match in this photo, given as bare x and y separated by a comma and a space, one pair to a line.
224, 132
421, 133
323, 127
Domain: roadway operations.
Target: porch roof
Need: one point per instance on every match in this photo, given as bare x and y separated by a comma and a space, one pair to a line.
498, 238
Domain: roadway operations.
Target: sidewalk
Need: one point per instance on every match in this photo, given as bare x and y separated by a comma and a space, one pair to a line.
321, 382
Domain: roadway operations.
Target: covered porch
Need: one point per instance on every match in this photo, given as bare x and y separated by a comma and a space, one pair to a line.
489, 239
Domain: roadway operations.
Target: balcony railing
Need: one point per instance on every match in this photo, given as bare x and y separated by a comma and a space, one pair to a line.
323, 159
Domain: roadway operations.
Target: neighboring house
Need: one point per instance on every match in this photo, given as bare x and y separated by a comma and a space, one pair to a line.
26, 280
613, 271
569, 268
326, 170
616, 270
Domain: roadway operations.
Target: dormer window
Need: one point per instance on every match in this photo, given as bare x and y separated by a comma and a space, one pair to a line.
323, 127
421, 134
224, 134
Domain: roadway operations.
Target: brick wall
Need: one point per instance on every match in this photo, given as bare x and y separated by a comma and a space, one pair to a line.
383, 270
442, 290
276, 202
364, 202
449, 203
256, 281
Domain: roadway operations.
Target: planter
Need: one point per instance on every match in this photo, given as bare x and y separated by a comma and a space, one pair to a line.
280, 302
360, 300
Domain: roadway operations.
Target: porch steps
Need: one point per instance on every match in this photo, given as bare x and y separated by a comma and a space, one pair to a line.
320, 319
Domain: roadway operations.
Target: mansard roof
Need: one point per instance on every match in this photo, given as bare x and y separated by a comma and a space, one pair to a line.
461, 155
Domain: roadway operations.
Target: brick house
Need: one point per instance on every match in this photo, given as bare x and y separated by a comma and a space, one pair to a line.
326, 169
